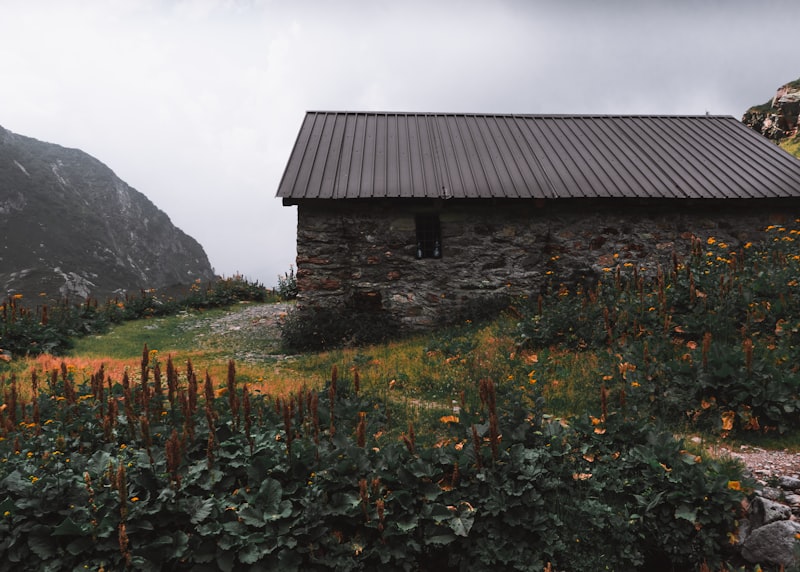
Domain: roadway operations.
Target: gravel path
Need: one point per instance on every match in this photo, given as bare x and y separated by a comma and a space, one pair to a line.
250, 331
765, 464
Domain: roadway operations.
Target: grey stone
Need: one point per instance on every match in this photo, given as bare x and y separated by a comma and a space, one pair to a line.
792, 499
772, 544
789, 483
764, 511
770, 493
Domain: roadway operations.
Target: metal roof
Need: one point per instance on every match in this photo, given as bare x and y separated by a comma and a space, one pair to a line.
344, 155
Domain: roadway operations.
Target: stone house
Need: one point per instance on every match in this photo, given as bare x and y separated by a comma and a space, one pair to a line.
415, 215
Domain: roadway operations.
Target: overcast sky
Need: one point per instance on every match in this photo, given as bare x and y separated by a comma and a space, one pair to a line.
196, 103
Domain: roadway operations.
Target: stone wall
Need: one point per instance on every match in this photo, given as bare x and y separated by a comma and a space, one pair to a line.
360, 254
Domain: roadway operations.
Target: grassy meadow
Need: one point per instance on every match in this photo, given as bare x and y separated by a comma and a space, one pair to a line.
544, 439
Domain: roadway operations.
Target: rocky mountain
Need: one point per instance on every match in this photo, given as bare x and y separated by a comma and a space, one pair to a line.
69, 227
779, 118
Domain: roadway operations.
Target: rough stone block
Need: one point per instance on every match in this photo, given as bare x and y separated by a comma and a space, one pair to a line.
765, 511
772, 544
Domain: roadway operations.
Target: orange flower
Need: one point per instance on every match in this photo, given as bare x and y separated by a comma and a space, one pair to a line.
735, 485
727, 420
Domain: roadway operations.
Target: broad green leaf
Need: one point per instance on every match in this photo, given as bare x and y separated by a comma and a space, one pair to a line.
15, 482
269, 495
284, 510
252, 516
461, 525
686, 512
252, 552
68, 527
225, 561
201, 510
41, 544
80, 545
440, 539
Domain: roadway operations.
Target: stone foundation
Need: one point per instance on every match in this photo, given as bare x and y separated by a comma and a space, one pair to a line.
361, 254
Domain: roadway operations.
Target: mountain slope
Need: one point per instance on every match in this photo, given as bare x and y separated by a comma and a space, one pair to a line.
70, 227
779, 118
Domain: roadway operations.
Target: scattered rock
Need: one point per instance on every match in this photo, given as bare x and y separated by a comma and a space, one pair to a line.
764, 511
789, 483
772, 543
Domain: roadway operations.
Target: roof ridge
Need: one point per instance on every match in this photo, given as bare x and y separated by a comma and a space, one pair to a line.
532, 115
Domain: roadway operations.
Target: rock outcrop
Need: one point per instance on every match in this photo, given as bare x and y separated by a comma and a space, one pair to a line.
69, 227
779, 118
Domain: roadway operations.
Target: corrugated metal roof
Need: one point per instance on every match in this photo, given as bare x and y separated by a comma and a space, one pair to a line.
343, 155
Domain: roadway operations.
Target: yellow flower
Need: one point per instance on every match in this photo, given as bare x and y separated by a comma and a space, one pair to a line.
7, 513
711, 240
448, 419
134, 499
735, 485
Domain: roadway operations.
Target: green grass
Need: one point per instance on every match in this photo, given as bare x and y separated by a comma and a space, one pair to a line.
791, 146
125, 341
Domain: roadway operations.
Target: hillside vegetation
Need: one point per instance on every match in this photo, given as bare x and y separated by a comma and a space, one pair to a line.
543, 440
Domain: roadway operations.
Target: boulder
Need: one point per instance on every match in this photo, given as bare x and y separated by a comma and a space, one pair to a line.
772, 543
764, 511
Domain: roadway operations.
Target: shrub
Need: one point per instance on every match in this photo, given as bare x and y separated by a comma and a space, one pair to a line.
312, 329
287, 285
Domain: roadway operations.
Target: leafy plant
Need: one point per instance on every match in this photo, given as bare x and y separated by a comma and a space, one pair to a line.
287, 285
711, 342
163, 472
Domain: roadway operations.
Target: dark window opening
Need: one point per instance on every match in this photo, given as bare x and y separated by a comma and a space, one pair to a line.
429, 236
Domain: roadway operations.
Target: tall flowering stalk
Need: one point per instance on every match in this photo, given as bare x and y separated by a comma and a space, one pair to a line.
332, 399
172, 382
247, 416
747, 347
361, 429
410, 439
232, 397
173, 457
476, 444
706, 348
